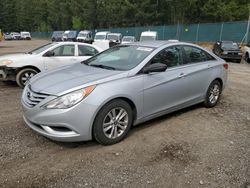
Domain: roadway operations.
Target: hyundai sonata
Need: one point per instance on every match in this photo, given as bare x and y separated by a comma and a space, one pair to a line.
102, 97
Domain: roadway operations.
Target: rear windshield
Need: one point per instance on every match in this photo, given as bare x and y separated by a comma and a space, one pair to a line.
229, 46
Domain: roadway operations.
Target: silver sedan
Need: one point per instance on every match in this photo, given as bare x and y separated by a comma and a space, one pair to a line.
102, 97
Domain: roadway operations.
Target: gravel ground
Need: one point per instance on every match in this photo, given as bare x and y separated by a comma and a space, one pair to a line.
194, 147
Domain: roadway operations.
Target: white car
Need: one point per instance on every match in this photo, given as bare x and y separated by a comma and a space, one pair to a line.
246, 52
21, 67
15, 36
25, 35
149, 35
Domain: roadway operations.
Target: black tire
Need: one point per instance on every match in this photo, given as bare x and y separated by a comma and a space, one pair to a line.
25, 73
211, 103
247, 58
98, 126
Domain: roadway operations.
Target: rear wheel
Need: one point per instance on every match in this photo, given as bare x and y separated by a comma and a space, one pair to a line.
24, 75
113, 122
213, 94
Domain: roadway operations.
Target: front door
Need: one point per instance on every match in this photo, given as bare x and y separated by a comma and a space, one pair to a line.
165, 89
63, 55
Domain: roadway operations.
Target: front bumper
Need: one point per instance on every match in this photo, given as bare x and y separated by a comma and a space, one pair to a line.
7, 74
231, 57
65, 125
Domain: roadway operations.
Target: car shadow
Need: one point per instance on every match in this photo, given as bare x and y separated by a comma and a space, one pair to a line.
163, 118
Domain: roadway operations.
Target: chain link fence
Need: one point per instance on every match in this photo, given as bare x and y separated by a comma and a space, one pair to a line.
205, 32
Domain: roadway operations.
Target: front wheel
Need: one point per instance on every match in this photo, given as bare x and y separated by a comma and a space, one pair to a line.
213, 94
113, 122
24, 75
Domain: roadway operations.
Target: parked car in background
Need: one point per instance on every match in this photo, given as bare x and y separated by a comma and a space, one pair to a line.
85, 36
149, 35
114, 39
21, 67
128, 39
228, 50
25, 35
70, 35
7, 36
57, 36
246, 52
15, 36
101, 40
101, 36
104, 96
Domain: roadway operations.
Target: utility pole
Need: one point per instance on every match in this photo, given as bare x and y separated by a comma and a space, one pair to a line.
247, 33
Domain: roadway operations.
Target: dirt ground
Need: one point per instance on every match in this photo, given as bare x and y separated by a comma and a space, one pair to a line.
194, 147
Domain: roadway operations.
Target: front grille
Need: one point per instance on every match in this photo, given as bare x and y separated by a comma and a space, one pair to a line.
32, 98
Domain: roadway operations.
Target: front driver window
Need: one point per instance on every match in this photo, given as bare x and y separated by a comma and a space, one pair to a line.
64, 50
170, 56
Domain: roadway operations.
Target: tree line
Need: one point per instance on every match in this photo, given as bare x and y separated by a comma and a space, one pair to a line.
49, 15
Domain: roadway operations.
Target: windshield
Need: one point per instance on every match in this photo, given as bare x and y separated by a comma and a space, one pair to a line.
41, 48
100, 37
82, 34
120, 57
229, 46
113, 37
128, 39
146, 38
57, 34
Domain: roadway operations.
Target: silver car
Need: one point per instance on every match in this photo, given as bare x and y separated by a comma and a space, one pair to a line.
102, 97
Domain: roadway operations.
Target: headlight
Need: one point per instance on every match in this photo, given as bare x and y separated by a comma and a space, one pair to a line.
240, 53
224, 53
69, 100
6, 62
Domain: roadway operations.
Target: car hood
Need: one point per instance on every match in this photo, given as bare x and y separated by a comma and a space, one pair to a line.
67, 78
14, 57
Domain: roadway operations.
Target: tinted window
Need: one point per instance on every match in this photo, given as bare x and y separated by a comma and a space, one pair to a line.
64, 50
170, 56
195, 55
86, 50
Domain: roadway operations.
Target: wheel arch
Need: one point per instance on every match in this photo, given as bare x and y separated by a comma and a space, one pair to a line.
28, 66
126, 99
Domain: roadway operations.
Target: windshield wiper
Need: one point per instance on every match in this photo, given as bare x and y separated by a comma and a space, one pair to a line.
103, 67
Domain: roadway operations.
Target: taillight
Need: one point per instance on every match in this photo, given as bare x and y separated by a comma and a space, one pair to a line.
225, 66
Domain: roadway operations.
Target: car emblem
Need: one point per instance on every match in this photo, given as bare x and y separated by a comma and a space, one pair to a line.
29, 95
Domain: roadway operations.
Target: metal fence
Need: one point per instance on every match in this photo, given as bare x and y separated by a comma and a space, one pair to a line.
205, 32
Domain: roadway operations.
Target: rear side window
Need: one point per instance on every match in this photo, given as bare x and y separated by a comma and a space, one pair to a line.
64, 50
195, 55
86, 50
171, 56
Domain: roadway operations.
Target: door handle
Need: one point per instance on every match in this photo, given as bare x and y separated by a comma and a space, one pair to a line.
181, 75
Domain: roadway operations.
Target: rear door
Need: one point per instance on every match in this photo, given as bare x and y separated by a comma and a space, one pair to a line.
198, 66
63, 55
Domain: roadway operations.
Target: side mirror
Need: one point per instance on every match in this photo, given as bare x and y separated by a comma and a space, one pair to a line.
49, 54
156, 67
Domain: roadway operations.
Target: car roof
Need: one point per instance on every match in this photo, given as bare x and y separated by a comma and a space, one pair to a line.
102, 32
